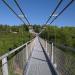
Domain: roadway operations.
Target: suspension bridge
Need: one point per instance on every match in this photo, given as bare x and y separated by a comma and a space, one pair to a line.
37, 56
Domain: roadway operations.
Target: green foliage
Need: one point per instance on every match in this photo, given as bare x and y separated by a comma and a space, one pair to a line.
37, 28
7, 28
12, 37
60, 35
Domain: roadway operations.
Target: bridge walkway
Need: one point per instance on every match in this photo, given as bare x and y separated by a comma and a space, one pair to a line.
37, 64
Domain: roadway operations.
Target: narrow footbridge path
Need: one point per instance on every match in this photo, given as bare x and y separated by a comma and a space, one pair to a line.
38, 64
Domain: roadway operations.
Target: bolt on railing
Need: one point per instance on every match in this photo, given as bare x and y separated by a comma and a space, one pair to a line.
14, 62
62, 60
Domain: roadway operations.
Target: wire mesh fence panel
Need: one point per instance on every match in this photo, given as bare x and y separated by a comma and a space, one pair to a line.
16, 62
30, 48
58, 59
49, 50
64, 61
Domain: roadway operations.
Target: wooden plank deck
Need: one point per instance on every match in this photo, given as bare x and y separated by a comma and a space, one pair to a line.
38, 64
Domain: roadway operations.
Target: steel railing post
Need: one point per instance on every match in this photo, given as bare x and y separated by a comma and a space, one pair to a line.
47, 48
52, 56
4, 66
26, 52
46, 45
31, 46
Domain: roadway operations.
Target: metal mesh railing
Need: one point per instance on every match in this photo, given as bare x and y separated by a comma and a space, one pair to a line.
47, 47
14, 62
63, 60
17, 62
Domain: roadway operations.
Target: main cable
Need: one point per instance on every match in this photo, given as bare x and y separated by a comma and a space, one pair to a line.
54, 11
16, 2
52, 14
62, 11
59, 13
12, 10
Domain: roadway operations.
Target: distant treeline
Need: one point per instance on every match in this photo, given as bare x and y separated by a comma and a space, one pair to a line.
7, 28
60, 35
37, 28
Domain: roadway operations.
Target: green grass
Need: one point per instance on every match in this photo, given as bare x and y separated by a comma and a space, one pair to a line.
12, 40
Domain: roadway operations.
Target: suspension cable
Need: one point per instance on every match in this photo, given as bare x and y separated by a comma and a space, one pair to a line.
62, 11
54, 11
16, 2
4, 1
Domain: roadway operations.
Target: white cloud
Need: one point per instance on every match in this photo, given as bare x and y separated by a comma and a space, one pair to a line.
21, 16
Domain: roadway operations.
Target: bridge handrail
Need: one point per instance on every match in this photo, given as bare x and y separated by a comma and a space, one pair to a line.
14, 50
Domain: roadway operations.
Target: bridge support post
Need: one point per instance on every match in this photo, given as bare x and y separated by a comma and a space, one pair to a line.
4, 66
47, 48
46, 45
52, 56
26, 52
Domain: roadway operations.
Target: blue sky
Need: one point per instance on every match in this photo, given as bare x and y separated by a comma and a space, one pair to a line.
37, 12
